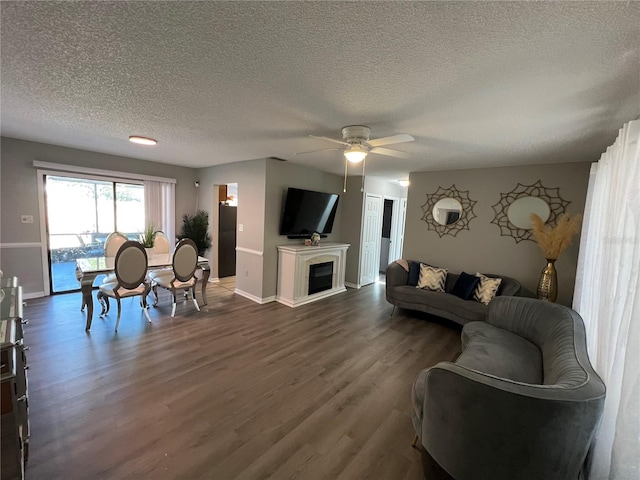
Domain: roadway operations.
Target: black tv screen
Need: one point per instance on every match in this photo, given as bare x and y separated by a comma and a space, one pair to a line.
306, 212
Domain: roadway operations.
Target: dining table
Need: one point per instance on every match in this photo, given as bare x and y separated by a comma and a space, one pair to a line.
87, 269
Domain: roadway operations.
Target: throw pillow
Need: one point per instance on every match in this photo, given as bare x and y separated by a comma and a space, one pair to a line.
432, 278
465, 286
487, 288
414, 273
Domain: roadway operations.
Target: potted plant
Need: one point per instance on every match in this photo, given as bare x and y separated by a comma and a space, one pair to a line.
148, 237
196, 227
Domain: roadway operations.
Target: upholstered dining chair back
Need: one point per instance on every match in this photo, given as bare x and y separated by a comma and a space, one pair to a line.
185, 260
131, 264
161, 243
113, 243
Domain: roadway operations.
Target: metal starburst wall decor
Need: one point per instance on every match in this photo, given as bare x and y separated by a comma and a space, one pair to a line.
466, 213
551, 196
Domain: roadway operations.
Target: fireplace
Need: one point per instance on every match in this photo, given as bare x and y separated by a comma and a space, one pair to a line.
320, 277
309, 273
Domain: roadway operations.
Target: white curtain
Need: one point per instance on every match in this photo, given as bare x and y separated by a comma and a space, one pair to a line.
607, 297
160, 207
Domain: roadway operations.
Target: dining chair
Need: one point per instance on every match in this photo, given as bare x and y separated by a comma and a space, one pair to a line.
185, 262
112, 244
161, 246
131, 273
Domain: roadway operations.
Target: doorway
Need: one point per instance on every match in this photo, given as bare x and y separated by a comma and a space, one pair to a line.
370, 250
393, 217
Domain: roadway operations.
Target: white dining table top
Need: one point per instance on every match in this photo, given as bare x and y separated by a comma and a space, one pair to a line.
107, 264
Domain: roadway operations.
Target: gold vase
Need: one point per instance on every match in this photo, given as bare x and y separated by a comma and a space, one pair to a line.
548, 283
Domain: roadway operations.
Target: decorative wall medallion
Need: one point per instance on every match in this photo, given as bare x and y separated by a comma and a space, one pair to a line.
447, 211
515, 207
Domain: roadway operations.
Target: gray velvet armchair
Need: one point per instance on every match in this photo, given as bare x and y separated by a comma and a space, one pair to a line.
521, 401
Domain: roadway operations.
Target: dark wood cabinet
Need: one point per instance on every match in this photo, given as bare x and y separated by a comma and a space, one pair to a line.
227, 241
14, 395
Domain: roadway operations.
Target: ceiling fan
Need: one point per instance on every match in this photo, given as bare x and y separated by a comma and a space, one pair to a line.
355, 145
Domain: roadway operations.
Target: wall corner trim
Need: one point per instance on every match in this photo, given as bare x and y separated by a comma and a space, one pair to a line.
250, 251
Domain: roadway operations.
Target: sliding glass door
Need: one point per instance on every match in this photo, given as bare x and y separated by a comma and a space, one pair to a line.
81, 212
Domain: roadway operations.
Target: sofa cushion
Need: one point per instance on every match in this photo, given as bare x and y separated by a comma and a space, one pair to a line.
440, 304
465, 286
494, 351
432, 278
487, 288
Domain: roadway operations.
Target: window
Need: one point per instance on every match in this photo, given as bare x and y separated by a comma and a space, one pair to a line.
81, 212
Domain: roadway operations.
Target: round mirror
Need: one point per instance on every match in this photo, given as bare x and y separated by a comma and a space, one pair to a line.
447, 211
519, 212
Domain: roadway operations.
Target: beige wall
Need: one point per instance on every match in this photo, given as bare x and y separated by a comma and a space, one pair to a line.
19, 196
351, 227
482, 248
280, 176
250, 177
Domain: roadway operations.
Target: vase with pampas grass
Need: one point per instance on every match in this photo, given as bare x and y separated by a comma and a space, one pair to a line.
552, 240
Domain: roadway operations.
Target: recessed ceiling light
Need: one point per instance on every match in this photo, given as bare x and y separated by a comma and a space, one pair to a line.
142, 140
403, 183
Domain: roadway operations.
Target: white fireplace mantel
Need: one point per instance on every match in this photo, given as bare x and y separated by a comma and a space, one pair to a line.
294, 262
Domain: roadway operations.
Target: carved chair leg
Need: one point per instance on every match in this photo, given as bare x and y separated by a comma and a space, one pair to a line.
119, 312
173, 309
155, 295
195, 302
415, 441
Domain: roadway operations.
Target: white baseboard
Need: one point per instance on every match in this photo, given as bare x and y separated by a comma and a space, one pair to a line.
351, 285
311, 298
28, 296
255, 298
214, 280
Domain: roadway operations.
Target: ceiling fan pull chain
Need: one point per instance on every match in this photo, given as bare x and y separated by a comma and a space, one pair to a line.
344, 189
364, 161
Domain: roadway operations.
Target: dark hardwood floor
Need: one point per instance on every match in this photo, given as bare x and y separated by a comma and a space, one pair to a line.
237, 391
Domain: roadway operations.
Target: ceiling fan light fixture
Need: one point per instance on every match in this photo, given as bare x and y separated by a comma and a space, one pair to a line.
355, 154
142, 140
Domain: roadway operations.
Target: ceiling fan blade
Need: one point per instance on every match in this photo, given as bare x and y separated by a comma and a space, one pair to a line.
389, 152
316, 151
330, 139
403, 137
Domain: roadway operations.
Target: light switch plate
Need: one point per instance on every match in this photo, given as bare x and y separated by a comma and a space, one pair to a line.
241, 227
26, 218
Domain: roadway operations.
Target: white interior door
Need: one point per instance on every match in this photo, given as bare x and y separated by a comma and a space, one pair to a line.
371, 233
397, 240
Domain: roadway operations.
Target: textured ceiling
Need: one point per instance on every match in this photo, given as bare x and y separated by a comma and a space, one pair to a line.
477, 84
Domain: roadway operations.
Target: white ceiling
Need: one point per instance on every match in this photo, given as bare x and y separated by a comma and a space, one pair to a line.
476, 83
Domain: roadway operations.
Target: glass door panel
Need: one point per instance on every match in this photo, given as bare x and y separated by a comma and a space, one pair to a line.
81, 213
130, 209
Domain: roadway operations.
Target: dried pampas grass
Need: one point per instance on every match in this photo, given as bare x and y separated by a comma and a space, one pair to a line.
553, 240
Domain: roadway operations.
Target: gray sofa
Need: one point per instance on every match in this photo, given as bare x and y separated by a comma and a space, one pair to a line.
445, 305
521, 401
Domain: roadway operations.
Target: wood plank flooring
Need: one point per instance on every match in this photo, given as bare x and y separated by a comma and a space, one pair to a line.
237, 391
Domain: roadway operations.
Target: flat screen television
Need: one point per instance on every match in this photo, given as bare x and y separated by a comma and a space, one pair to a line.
306, 211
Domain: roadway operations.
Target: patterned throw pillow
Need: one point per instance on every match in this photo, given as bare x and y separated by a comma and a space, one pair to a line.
487, 288
432, 278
